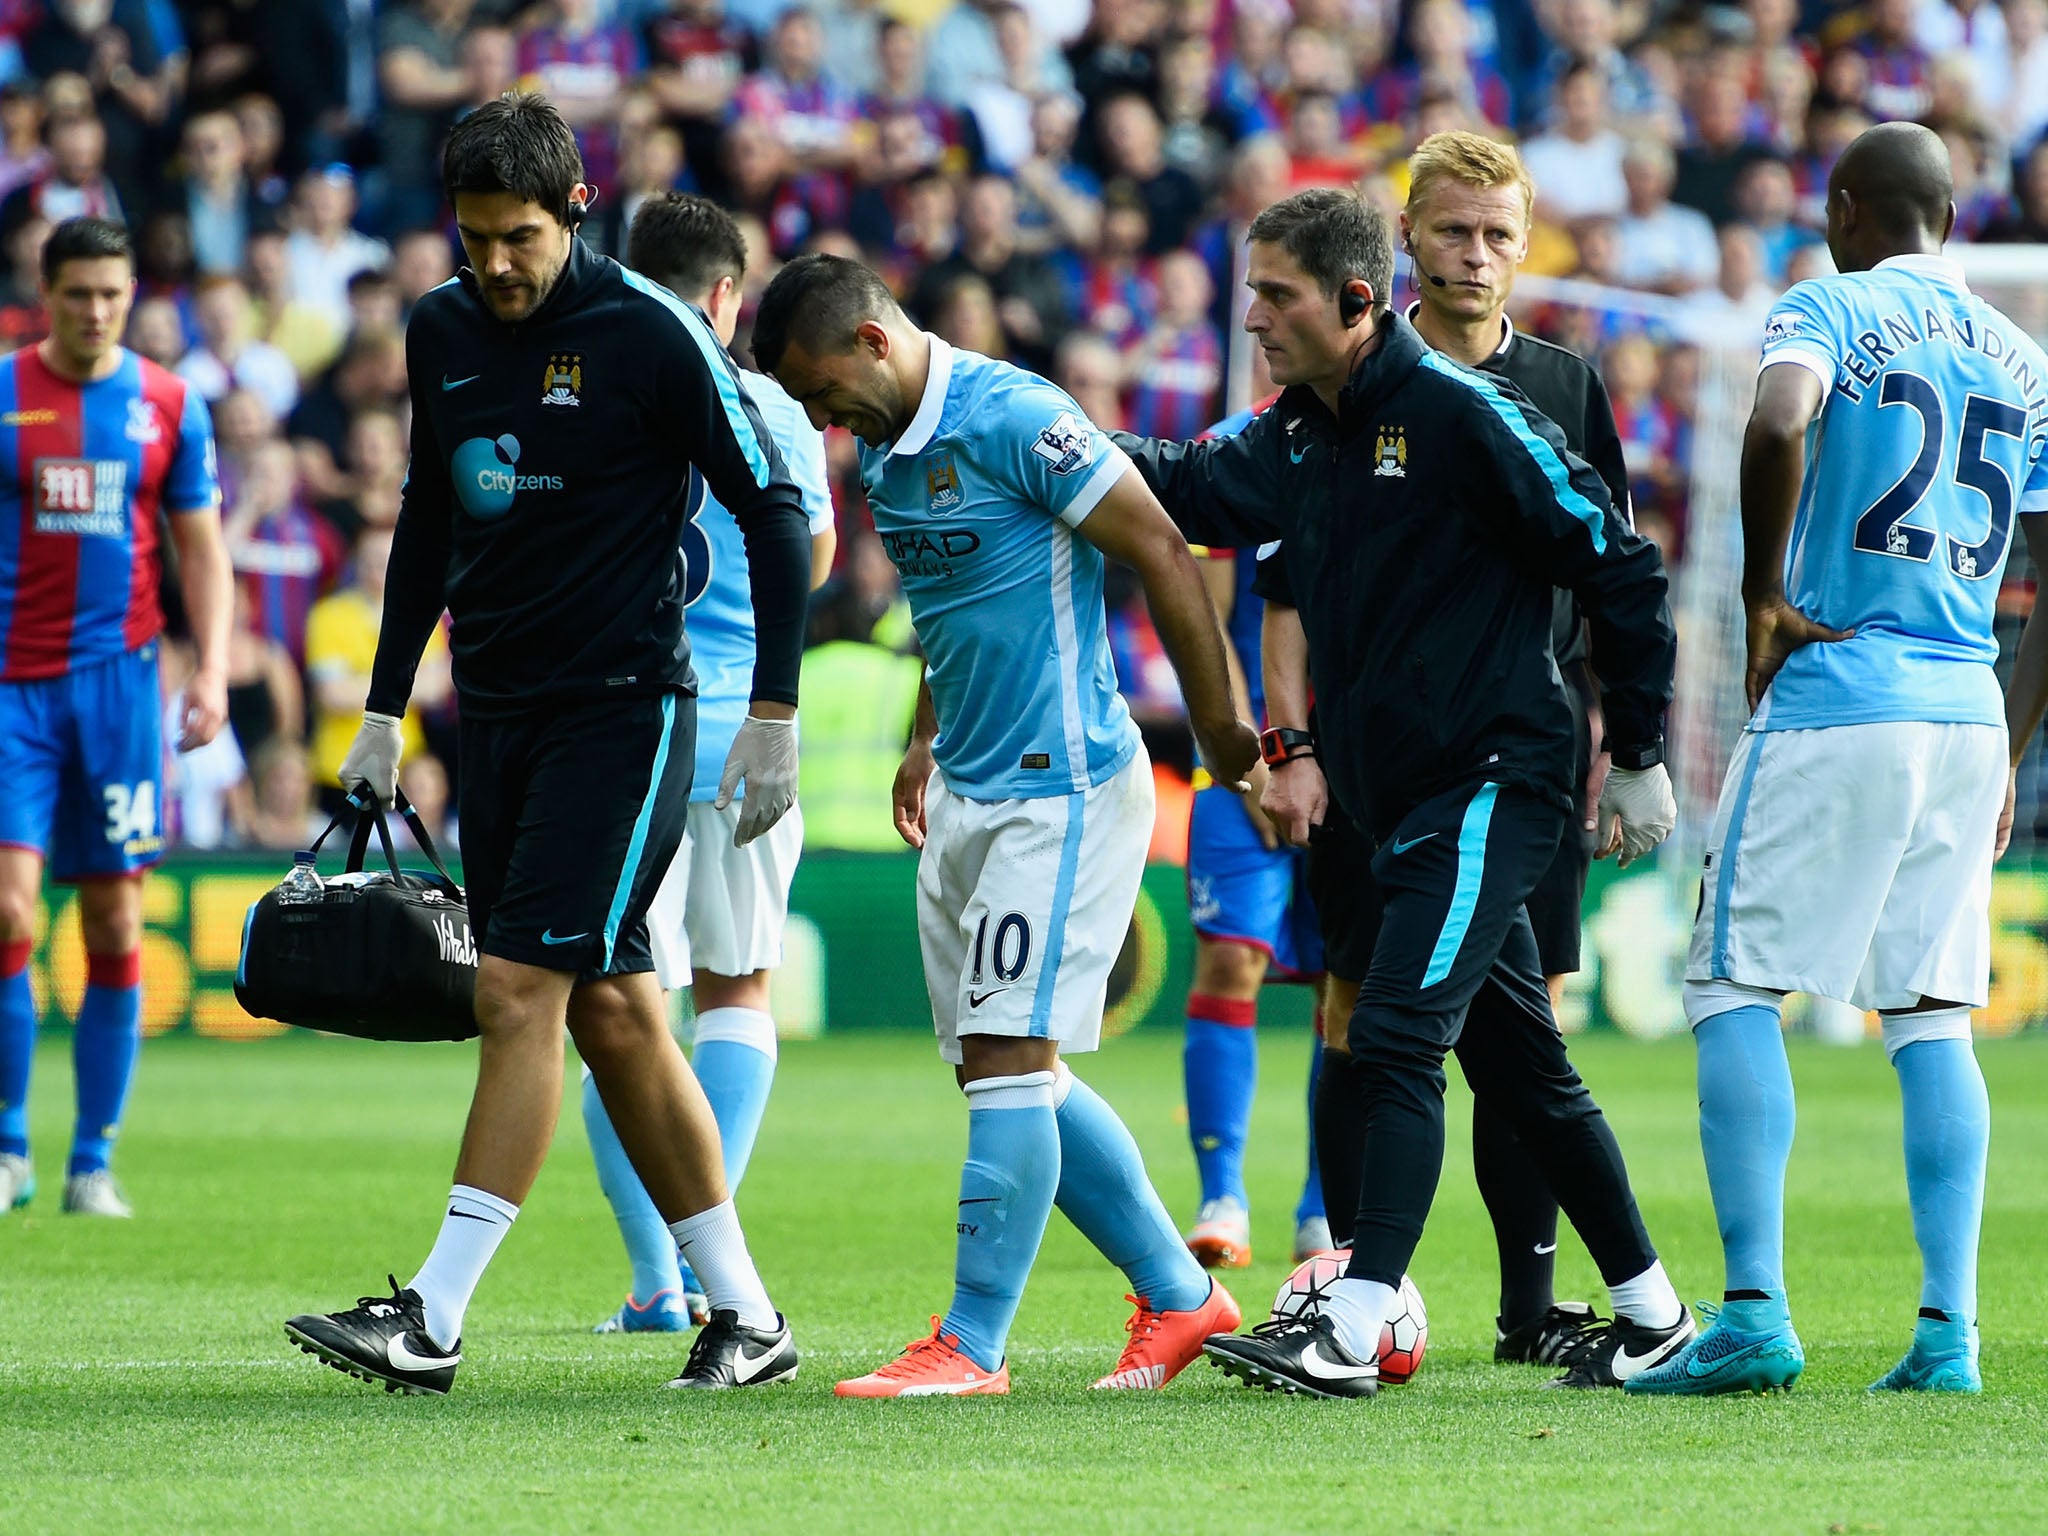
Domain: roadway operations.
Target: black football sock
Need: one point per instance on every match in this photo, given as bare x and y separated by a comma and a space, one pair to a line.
1524, 1213
1340, 1144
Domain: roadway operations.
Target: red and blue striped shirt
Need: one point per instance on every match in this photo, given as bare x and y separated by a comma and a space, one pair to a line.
84, 471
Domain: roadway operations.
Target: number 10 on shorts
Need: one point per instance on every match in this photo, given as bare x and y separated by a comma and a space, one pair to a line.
1010, 952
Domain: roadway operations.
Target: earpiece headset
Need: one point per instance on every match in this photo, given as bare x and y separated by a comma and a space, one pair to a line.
1352, 305
579, 207
1415, 261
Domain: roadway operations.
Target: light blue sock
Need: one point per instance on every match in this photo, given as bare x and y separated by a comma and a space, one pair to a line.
1006, 1193
1220, 1066
1948, 1130
1104, 1192
1310, 1206
17, 1047
734, 1059
649, 1245
1746, 1120
104, 1045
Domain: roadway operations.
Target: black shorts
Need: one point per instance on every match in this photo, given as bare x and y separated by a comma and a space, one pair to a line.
1557, 901
1348, 900
570, 818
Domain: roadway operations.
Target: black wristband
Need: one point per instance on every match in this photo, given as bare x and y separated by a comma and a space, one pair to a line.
1283, 744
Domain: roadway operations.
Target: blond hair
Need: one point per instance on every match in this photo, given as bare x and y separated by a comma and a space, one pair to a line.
1470, 159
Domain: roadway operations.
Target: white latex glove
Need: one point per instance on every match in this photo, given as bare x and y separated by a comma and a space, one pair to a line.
373, 757
764, 754
1637, 811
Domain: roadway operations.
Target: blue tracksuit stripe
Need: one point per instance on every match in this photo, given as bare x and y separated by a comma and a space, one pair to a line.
638, 845
721, 369
1554, 469
1465, 892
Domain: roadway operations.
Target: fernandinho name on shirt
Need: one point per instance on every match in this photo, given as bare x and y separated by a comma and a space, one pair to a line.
1898, 334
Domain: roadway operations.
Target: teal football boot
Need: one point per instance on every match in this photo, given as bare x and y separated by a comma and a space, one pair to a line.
1943, 1359
1749, 1346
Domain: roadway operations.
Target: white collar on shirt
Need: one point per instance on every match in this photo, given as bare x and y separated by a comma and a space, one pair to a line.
925, 424
1507, 327
1943, 267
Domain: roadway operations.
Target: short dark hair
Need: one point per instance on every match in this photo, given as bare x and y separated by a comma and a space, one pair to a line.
1335, 236
85, 239
518, 144
686, 243
818, 301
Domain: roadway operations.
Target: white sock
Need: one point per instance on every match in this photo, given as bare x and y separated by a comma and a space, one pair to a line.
716, 1249
1358, 1309
476, 1223
1648, 1300
741, 1026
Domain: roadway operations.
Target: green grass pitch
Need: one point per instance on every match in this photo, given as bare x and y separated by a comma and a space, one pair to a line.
145, 1382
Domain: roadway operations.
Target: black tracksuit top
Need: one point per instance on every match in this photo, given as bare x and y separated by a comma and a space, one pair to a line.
1563, 386
545, 502
1424, 528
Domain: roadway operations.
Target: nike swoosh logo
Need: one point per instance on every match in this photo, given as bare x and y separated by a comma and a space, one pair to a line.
981, 1199
568, 938
746, 1367
1626, 1364
1401, 847
402, 1358
448, 383
1295, 455
1546, 1247
976, 1002
1315, 1365
471, 1216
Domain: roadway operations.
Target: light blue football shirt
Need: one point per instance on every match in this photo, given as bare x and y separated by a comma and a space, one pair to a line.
976, 503
1927, 447
718, 598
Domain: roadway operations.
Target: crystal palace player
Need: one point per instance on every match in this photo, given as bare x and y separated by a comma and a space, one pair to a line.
717, 921
1026, 788
1896, 438
1248, 900
95, 442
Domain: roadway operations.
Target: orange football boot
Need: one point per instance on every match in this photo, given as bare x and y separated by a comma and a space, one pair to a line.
1222, 1238
1163, 1344
933, 1367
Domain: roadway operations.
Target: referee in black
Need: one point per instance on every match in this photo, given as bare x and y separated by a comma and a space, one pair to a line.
1466, 230
1425, 514
559, 402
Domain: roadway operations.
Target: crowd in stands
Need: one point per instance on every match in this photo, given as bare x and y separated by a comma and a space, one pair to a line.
1062, 182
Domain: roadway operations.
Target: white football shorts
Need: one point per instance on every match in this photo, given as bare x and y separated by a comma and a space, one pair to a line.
721, 908
1023, 905
1854, 862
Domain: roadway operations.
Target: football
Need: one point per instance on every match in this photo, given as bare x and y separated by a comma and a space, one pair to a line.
1402, 1341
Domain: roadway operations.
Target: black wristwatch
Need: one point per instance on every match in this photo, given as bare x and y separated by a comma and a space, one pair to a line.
1635, 759
1283, 744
